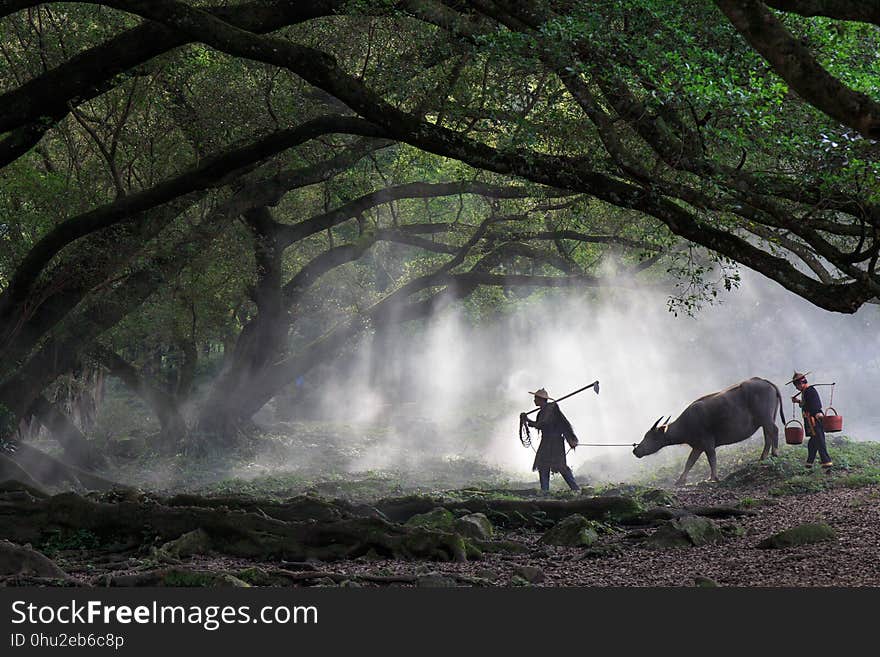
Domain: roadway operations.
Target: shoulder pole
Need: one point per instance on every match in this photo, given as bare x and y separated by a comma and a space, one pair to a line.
594, 385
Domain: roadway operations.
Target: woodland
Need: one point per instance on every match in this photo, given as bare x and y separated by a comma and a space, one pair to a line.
204, 204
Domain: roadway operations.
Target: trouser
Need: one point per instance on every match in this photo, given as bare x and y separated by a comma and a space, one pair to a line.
817, 443
567, 474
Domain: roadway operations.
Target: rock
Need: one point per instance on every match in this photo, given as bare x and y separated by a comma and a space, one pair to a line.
532, 574
178, 577
438, 518
323, 581
516, 519
659, 497
574, 531
704, 582
657, 515
685, 532
474, 525
435, 581
800, 535
256, 577
17, 560
516, 580
498, 518
194, 542
486, 573
636, 535
733, 531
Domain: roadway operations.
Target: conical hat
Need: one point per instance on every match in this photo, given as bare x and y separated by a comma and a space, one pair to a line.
541, 392
796, 376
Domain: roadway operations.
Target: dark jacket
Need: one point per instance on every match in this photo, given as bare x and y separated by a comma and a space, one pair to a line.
810, 405
811, 402
555, 431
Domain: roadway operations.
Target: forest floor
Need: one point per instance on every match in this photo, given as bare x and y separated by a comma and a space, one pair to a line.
367, 532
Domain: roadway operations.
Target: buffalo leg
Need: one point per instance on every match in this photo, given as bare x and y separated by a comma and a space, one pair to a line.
710, 456
771, 440
691, 459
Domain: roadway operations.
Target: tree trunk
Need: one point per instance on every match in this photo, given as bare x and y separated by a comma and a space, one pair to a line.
160, 402
76, 446
260, 343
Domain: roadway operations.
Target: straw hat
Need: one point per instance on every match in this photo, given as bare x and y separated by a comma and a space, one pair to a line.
540, 392
796, 376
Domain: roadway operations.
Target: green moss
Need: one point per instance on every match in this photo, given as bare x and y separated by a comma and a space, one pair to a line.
573, 531
192, 578
800, 535
438, 518
58, 540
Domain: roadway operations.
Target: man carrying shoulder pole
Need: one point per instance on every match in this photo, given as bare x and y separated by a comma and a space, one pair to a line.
811, 407
556, 431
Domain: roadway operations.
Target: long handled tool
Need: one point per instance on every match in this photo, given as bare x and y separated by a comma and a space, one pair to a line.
594, 385
524, 435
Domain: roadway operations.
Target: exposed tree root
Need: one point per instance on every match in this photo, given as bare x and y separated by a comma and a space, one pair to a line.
594, 508
230, 532
16, 560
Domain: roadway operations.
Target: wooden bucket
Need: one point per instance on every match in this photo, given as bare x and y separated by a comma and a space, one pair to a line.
832, 422
794, 435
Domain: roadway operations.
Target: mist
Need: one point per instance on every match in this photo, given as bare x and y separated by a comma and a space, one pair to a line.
421, 397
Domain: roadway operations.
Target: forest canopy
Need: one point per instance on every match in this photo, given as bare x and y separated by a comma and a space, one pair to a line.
267, 182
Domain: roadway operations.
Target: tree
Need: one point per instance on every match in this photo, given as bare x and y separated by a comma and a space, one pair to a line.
746, 131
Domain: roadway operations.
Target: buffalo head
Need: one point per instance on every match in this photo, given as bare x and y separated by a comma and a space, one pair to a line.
653, 440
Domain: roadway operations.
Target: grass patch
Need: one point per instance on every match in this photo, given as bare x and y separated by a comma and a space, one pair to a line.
59, 541
856, 465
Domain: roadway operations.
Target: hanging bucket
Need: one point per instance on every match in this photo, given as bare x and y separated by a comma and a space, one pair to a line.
794, 435
832, 422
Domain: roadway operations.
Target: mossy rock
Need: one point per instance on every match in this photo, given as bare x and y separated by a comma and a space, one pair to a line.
259, 577
474, 525
656, 515
516, 520
498, 518
811, 532
195, 542
438, 518
685, 532
705, 582
424, 542
532, 574
573, 531
658, 497
200, 578
436, 581
733, 530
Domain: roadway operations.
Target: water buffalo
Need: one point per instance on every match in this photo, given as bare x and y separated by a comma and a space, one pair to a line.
721, 418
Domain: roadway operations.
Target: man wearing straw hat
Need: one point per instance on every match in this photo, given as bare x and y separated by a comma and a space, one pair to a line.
555, 431
811, 406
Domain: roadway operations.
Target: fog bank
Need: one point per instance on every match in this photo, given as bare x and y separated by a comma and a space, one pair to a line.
455, 389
